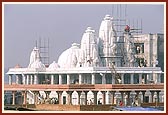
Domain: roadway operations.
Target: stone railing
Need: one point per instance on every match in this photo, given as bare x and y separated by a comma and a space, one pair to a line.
64, 87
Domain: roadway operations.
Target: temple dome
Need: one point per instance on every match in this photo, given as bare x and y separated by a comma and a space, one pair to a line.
88, 37
53, 65
34, 56
37, 64
69, 58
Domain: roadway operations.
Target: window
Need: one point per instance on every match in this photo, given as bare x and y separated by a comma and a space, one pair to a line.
139, 48
141, 62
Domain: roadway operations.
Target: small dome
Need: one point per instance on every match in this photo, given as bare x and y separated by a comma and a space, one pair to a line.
108, 17
53, 65
37, 64
69, 58
88, 37
17, 66
89, 29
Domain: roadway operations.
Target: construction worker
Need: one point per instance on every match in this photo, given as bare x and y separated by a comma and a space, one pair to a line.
127, 28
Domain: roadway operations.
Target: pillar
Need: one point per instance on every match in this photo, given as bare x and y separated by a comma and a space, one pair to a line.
23, 79
68, 79
27, 79
104, 97
122, 78
95, 97
17, 79
52, 79
159, 78
125, 98
122, 97
35, 79
132, 78
143, 95
59, 96
113, 95
10, 79
79, 94
113, 79
60, 79
155, 78
13, 97
137, 99
128, 99
47, 94
24, 93
35, 97
140, 78
80, 78
152, 95
31, 79
86, 97
103, 79
93, 78
149, 77
69, 97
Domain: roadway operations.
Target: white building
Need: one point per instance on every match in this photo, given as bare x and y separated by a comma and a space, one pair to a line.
103, 69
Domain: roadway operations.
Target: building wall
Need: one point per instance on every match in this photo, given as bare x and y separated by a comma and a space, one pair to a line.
153, 48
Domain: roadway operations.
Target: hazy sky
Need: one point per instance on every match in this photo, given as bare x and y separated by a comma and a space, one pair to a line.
64, 24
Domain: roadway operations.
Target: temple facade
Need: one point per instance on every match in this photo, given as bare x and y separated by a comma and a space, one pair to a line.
102, 69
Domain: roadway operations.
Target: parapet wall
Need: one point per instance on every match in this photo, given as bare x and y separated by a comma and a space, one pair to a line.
95, 107
56, 107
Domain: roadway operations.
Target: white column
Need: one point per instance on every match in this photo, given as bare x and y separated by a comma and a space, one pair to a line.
80, 78
35, 79
113, 79
159, 78
10, 80
68, 79
122, 78
132, 78
148, 77
17, 79
28, 79
140, 78
60, 79
93, 78
108, 97
150, 97
31, 79
52, 79
23, 79
103, 79
13, 97
155, 77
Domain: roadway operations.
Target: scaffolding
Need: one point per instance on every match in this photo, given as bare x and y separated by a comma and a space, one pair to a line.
44, 51
120, 23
